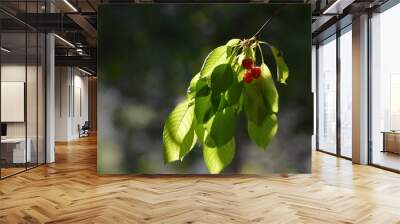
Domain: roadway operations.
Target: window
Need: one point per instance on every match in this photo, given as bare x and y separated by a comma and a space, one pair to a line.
22, 101
346, 92
327, 95
385, 89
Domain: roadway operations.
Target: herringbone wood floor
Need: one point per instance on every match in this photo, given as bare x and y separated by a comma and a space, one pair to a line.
69, 191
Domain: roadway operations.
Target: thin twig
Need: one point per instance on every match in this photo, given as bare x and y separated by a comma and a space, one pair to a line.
266, 23
262, 27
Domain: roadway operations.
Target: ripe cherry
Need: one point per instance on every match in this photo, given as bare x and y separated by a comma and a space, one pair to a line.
256, 72
247, 78
247, 63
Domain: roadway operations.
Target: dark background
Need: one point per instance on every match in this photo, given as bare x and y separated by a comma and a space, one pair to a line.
148, 54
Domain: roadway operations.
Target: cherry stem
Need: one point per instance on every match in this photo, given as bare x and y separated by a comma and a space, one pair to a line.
261, 53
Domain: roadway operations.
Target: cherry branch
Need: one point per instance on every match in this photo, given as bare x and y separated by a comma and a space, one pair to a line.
255, 36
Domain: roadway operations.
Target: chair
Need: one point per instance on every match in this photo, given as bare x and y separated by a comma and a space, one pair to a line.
84, 130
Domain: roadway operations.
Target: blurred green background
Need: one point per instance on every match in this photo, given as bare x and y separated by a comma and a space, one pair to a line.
147, 55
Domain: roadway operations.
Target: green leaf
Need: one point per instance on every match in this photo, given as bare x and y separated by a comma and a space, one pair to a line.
216, 57
221, 127
202, 89
203, 104
191, 92
221, 78
203, 108
282, 69
254, 105
199, 130
266, 86
203, 136
233, 42
234, 92
261, 97
217, 158
177, 126
239, 105
188, 142
262, 135
230, 45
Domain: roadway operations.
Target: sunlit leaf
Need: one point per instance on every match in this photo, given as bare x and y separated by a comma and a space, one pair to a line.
188, 142
282, 69
266, 86
216, 57
199, 131
191, 92
177, 126
264, 133
215, 98
217, 158
231, 44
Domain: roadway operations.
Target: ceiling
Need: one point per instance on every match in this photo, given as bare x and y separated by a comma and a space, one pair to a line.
75, 21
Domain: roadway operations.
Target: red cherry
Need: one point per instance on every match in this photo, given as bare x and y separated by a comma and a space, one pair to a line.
247, 63
247, 78
256, 72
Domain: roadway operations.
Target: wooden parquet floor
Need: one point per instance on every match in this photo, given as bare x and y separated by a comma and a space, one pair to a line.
70, 191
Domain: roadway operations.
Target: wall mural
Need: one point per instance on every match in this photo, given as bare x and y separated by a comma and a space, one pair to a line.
204, 88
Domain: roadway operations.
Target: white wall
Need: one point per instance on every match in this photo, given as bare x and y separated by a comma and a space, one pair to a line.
13, 101
13, 72
16, 73
61, 103
71, 102
33, 126
80, 110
